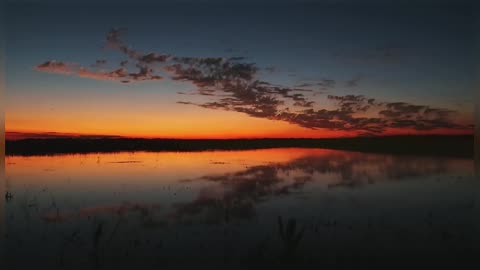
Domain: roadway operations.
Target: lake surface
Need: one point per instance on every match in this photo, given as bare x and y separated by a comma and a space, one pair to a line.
282, 208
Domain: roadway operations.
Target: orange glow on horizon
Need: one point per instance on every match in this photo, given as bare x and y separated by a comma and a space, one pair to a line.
153, 115
19, 135
144, 120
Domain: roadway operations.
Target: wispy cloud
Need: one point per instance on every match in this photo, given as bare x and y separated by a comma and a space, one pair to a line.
233, 84
120, 74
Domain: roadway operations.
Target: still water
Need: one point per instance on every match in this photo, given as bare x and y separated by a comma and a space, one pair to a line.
282, 208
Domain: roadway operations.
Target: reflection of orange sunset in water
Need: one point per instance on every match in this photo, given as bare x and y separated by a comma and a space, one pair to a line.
158, 167
143, 169
104, 171
169, 188
183, 199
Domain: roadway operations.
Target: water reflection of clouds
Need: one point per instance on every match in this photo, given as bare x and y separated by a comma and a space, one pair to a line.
237, 193
231, 186
284, 203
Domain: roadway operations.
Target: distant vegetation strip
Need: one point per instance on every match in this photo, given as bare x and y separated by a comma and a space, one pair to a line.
454, 146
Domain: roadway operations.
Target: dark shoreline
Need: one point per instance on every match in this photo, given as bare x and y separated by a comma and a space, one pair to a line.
452, 146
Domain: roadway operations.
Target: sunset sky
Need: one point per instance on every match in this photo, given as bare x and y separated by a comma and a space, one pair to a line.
239, 71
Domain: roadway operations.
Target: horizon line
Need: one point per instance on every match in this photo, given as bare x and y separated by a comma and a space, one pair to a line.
18, 135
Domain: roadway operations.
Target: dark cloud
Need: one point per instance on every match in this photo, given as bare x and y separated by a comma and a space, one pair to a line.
120, 74
114, 41
185, 102
208, 72
145, 73
304, 103
323, 84
235, 85
143, 61
352, 103
54, 67
153, 57
404, 115
77, 70
232, 84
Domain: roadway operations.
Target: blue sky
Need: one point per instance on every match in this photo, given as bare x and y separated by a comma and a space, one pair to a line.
417, 54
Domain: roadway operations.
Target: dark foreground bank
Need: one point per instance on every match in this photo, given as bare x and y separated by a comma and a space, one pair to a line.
454, 146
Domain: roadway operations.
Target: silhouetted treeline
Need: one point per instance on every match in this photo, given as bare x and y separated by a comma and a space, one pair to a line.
455, 146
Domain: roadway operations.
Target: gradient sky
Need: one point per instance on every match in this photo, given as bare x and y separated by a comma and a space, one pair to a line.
412, 65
